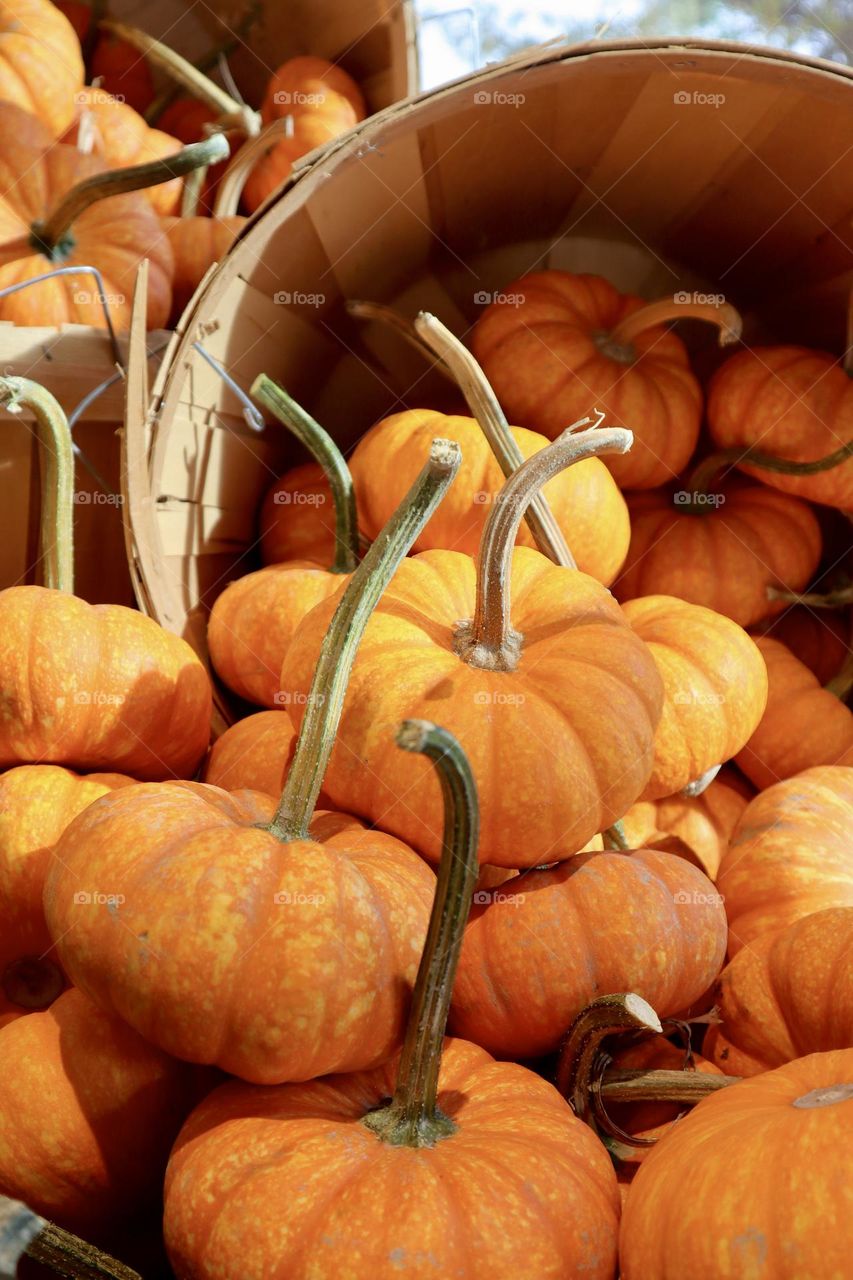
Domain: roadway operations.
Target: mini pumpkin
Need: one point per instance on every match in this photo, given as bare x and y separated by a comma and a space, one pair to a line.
41, 68
804, 724
715, 688
254, 619
37, 802
820, 638
722, 1195
292, 939
297, 517
785, 995
564, 683
790, 854
704, 822
556, 346
723, 555
584, 498
460, 1135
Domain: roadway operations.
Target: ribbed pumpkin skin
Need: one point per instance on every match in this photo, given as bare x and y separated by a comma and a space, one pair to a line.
705, 823
790, 855
582, 704
542, 360
749, 1186
37, 802
268, 990
584, 498
41, 68
97, 687
792, 402
715, 687
803, 725
818, 637
329, 1201
310, 130
549, 942
254, 620
725, 558
298, 517
88, 1113
197, 243
113, 235
294, 85
254, 754
785, 995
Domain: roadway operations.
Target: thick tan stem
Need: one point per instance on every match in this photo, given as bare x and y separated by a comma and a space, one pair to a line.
724, 316
24, 1232
661, 1086
484, 405
580, 1062
232, 114
234, 179
488, 639
380, 314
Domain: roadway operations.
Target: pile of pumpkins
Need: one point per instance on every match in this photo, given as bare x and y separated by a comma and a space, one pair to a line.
508, 930
67, 119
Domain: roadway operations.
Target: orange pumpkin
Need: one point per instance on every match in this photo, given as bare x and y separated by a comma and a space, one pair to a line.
307, 84
704, 823
196, 243
460, 1135
723, 556
793, 403
122, 71
297, 517
584, 499
310, 130
253, 621
186, 118
651, 1120
754, 1182
88, 1112
715, 688
89, 686
804, 724
37, 802
292, 943
790, 855
41, 69
564, 689
113, 235
254, 754
538, 949
818, 637
785, 995
555, 346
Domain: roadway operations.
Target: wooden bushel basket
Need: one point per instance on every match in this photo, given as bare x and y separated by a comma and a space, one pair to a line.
374, 40
665, 166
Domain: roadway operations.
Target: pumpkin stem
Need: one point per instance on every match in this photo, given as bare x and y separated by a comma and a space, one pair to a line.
835, 599
50, 236
703, 478
488, 640
323, 449
56, 533
23, 1232
232, 114
337, 654
377, 311
688, 1086
842, 682
618, 343
701, 784
234, 179
412, 1118
484, 405
614, 838
191, 194
237, 36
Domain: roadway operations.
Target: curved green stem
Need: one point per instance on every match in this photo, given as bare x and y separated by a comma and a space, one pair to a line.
485, 407
724, 316
47, 236
488, 639
703, 478
323, 449
57, 485
614, 838
337, 654
412, 1118
835, 599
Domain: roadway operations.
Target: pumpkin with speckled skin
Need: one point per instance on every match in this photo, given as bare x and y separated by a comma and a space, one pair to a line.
41, 68
803, 724
297, 519
275, 961
754, 1182
715, 688
705, 823
794, 403
97, 687
726, 556
88, 1112
582, 704
197, 243
818, 637
538, 949
37, 802
584, 498
521, 1190
550, 362
255, 754
790, 854
785, 995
